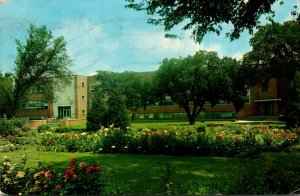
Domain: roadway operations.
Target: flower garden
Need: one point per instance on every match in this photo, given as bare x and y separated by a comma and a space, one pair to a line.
242, 144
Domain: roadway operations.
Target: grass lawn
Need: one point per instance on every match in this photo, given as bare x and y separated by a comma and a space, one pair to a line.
141, 174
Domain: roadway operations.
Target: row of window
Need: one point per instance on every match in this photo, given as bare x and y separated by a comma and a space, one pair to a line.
33, 104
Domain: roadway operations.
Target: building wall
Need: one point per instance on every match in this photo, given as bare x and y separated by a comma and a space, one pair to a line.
65, 97
36, 113
81, 96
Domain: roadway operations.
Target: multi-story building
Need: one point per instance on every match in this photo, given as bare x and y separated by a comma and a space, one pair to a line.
69, 102
75, 100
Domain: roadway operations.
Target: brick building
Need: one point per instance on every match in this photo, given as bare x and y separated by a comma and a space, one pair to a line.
70, 102
75, 100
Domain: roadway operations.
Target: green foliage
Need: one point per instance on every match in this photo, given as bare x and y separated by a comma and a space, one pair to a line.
194, 80
97, 115
43, 128
218, 141
204, 16
167, 184
106, 113
69, 129
41, 56
117, 112
12, 126
275, 52
134, 88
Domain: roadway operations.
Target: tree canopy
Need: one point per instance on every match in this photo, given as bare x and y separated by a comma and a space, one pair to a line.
205, 16
131, 85
275, 52
194, 80
39, 60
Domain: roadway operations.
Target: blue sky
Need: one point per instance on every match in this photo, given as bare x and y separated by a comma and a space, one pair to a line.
104, 35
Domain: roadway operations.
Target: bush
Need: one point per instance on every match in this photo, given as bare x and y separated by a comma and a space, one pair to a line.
43, 128
106, 113
69, 129
77, 179
7, 127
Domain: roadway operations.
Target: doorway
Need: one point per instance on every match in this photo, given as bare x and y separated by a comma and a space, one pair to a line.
64, 111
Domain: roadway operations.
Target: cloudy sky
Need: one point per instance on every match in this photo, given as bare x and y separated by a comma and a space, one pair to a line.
104, 35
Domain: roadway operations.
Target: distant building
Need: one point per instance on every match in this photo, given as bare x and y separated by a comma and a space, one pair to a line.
75, 101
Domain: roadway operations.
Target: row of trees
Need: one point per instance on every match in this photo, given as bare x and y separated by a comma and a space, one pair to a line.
190, 82
204, 77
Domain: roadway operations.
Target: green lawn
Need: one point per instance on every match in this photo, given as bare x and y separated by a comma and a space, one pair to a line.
141, 174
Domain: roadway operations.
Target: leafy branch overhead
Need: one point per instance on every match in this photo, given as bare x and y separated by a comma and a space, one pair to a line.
205, 16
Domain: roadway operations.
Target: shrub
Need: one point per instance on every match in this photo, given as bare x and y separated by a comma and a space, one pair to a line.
69, 129
111, 112
43, 128
11, 126
77, 179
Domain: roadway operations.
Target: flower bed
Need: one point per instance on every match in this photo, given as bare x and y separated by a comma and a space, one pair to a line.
77, 179
220, 141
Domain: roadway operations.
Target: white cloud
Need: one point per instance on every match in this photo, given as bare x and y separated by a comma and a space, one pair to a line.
238, 55
86, 44
3, 1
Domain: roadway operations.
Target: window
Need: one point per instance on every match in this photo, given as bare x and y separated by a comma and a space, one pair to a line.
265, 86
82, 84
33, 104
83, 111
82, 97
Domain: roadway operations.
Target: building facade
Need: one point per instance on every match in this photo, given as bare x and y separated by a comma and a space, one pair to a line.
75, 100
69, 102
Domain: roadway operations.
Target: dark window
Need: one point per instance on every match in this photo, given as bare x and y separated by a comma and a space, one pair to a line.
265, 86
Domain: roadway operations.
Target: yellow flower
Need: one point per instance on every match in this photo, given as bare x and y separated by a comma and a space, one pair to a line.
20, 174
6, 181
38, 182
36, 175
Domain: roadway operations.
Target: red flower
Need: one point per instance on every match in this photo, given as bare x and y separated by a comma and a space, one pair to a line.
42, 172
281, 132
58, 187
73, 160
69, 167
88, 171
36, 190
218, 137
49, 165
48, 175
97, 168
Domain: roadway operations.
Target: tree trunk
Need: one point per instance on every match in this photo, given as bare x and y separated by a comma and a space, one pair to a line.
191, 116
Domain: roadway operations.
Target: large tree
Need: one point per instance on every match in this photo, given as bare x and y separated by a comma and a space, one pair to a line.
42, 62
276, 54
194, 80
129, 84
205, 16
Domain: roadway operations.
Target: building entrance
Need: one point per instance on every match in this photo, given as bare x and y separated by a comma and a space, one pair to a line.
64, 111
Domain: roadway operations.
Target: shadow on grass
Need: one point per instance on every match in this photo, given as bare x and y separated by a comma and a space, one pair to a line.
141, 174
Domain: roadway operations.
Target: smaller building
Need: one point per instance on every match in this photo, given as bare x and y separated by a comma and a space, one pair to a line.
70, 102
